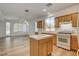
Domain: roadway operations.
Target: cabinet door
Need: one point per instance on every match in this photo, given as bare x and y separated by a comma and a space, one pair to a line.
40, 24
57, 22
33, 47
50, 47
74, 20
61, 19
67, 18
43, 51
74, 43
54, 39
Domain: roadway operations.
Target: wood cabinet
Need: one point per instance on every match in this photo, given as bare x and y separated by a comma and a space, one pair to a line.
54, 35
61, 19
57, 22
41, 47
67, 18
54, 39
74, 42
74, 19
40, 24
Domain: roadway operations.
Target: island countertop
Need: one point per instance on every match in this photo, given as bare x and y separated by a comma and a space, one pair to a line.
41, 45
40, 36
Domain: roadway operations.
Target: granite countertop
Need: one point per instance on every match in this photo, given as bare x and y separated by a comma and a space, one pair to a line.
40, 36
50, 32
73, 34
56, 33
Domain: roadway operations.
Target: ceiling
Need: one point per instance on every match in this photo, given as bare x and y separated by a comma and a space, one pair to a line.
17, 10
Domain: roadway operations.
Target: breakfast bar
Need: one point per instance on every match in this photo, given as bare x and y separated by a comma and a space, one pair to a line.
41, 45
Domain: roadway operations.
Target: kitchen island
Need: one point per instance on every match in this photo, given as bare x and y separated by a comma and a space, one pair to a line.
41, 45
54, 34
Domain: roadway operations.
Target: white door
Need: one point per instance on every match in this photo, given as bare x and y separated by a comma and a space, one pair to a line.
7, 28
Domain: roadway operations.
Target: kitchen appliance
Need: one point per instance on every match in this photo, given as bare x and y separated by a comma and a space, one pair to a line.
63, 36
63, 40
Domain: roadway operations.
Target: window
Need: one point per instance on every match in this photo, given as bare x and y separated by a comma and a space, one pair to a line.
36, 30
18, 27
50, 22
24, 28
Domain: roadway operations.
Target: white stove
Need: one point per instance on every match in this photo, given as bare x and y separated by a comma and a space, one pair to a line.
63, 40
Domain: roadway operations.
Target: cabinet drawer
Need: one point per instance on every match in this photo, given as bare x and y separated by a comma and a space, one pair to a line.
74, 42
50, 47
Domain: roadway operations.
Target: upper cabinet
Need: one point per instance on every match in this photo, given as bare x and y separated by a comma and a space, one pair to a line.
74, 19
56, 22
66, 18
40, 24
61, 19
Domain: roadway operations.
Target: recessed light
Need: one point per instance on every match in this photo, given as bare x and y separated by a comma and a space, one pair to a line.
26, 22
44, 10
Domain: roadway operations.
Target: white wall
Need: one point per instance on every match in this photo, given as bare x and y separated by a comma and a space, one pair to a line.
2, 28
31, 29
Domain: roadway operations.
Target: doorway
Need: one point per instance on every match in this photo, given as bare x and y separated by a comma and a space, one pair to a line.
7, 28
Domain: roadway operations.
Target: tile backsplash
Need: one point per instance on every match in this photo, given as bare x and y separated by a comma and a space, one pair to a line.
74, 30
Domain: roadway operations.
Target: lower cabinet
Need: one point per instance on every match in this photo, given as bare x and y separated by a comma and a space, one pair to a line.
67, 18
41, 47
54, 35
54, 39
74, 42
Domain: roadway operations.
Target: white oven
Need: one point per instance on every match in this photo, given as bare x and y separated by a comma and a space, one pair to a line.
63, 40
63, 36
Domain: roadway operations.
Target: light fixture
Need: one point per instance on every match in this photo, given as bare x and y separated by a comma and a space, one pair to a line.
26, 22
47, 5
